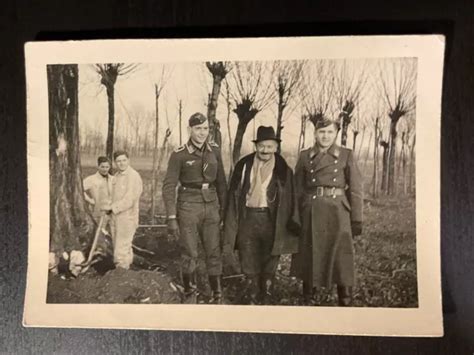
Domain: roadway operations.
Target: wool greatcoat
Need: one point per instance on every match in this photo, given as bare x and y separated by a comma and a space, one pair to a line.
326, 255
281, 201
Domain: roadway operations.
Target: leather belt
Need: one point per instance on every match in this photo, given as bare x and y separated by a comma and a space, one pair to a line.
257, 209
198, 185
320, 191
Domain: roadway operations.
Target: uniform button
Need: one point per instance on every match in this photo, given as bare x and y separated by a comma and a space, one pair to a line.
314, 196
312, 170
335, 170
335, 161
314, 180
334, 179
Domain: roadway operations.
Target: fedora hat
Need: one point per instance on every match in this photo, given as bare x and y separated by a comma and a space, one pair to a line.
265, 133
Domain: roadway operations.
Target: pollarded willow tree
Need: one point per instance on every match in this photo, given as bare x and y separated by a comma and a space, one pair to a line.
397, 85
288, 76
318, 89
71, 226
109, 74
218, 71
350, 80
251, 92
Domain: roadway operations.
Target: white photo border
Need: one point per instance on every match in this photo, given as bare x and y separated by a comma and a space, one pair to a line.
426, 320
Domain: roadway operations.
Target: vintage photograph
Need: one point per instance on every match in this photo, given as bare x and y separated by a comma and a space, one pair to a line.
280, 182
234, 181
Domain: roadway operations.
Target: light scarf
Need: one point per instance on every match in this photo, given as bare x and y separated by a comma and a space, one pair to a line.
260, 177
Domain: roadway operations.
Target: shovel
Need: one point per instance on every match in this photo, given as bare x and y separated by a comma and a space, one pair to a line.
85, 265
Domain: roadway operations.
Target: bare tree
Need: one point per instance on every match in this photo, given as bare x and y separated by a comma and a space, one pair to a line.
375, 175
287, 81
398, 88
228, 102
318, 90
109, 74
251, 93
159, 86
71, 226
218, 71
349, 84
302, 135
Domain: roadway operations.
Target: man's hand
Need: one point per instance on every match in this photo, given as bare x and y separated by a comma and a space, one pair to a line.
356, 228
107, 208
173, 228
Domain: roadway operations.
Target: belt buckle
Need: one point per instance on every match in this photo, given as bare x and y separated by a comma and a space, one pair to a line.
320, 191
333, 192
205, 186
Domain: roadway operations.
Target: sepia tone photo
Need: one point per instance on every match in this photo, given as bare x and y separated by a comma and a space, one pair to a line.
269, 183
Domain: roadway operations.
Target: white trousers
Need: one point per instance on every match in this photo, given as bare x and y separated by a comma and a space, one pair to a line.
123, 230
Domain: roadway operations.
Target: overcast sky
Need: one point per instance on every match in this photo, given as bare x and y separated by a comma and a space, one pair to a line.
191, 82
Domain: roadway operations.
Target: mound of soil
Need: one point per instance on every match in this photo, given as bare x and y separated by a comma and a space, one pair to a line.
116, 286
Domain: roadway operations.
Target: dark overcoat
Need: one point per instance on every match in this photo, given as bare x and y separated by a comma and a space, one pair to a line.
326, 255
281, 200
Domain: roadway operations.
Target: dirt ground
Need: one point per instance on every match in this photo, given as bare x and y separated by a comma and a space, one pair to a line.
385, 261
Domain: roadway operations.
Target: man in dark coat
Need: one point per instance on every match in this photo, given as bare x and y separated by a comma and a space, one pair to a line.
261, 219
330, 201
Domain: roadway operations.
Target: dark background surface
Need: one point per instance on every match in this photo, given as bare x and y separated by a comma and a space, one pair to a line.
22, 21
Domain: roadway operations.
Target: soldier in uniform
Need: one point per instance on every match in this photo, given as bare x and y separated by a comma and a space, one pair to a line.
330, 202
195, 213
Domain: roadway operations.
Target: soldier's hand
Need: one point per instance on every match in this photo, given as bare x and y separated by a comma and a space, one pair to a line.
356, 228
173, 228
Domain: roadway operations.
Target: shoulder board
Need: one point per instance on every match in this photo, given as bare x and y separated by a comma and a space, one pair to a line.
179, 149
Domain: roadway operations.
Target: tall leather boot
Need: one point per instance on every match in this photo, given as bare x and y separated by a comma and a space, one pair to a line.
266, 283
253, 290
189, 283
344, 296
216, 288
308, 294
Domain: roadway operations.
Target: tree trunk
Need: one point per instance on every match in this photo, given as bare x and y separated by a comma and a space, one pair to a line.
391, 188
71, 225
155, 159
345, 126
359, 151
367, 152
228, 130
214, 127
376, 160
110, 131
180, 113
281, 108
384, 145
412, 166
239, 135
300, 139
355, 133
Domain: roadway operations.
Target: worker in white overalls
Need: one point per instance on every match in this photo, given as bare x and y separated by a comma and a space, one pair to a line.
124, 209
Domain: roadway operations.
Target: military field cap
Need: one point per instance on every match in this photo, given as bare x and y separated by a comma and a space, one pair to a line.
196, 119
326, 121
265, 133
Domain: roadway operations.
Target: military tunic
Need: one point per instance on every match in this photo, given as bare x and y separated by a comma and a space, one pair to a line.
201, 195
326, 254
